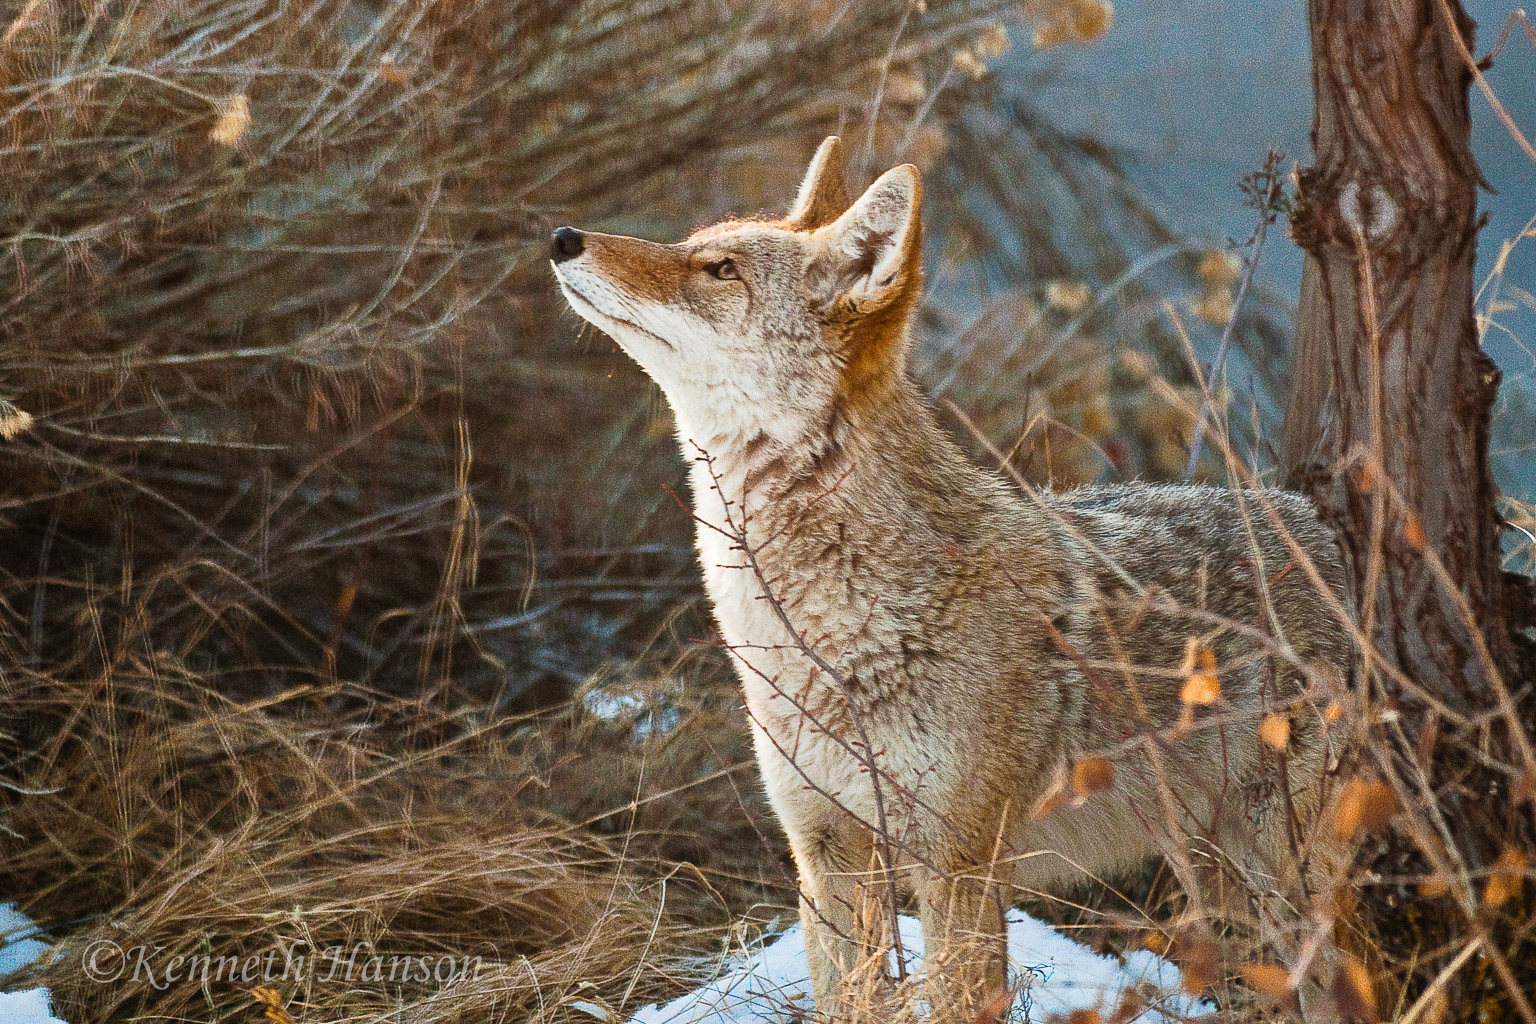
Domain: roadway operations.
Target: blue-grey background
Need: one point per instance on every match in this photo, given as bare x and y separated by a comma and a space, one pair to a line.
1194, 93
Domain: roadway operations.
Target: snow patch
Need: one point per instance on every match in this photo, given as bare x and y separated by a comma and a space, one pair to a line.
18, 945
646, 713
771, 985
19, 948
27, 1007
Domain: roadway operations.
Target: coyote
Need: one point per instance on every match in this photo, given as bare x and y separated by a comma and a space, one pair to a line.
929, 654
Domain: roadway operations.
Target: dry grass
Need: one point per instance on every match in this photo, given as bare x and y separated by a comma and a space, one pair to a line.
314, 516
149, 811
285, 331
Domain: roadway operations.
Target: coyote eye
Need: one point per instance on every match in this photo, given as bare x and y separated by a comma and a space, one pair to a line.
724, 269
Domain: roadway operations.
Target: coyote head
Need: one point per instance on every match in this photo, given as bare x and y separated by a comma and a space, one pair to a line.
763, 327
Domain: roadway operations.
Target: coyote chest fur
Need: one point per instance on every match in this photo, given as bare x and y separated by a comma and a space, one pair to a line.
926, 650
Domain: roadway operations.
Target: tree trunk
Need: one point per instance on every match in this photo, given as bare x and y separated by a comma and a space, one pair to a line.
1388, 421
1387, 425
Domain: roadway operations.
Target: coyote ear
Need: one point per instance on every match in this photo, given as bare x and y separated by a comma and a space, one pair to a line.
823, 196
873, 248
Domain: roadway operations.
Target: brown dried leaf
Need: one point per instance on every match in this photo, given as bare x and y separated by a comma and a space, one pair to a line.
1524, 788
1275, 731
1363, 807
392, 72
1054, 796
1201, 688
1413, 532
996, 1007
1200, 963
1434, 886
1215, 306
272, 1004
969, 64
1343, 900
992, 43
1130, 1007
1080, 23
234, 120
1506, 879
1270, 980
1353, 991
1050, 35
1367, 474
1220, 267
1092, 774
1068, 296
1199, 670
1092, 19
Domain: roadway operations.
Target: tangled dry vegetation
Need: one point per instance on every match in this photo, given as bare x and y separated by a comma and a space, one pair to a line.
314, 517
313, 512
282, 308
164, 815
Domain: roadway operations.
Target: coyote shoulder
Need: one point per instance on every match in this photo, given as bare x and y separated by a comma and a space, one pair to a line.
926, 650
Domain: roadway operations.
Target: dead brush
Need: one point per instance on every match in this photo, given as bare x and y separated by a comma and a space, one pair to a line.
280, 349
289, 429
281, 344
153, 814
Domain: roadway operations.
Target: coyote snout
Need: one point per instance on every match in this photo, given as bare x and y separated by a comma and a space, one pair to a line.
565, 244
925, 652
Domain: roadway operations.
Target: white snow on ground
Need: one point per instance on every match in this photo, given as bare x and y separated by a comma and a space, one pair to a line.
1057, 975
27, 1007
771, 983
19, 948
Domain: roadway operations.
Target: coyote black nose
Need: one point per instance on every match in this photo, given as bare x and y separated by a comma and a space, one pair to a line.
565, 244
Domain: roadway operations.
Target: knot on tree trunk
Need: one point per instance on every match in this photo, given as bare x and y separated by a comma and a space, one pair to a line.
1396, 217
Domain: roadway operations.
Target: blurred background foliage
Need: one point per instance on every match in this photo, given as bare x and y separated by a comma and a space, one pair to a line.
304, 398
295, 420
305, 406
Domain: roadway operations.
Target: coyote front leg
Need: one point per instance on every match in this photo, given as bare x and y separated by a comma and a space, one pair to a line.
842, 904
964, 941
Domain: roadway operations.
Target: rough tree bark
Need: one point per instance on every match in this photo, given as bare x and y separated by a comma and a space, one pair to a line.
1393, 196
1387, 425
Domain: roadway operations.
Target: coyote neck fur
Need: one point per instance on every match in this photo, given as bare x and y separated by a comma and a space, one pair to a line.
858, 530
